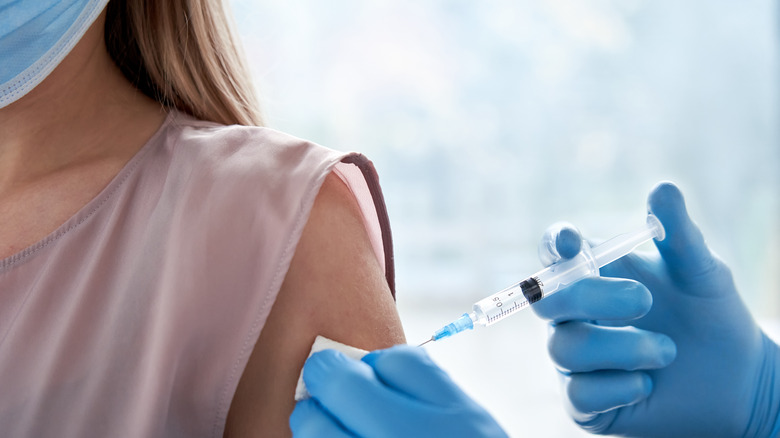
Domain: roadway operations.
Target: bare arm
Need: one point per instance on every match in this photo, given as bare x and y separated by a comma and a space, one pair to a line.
334, 287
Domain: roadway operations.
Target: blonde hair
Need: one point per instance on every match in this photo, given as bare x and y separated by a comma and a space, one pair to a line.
183, 54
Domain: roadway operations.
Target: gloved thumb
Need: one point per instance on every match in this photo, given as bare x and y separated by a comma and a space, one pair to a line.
684, 249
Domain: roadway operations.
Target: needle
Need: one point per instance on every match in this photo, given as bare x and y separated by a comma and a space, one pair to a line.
429, 340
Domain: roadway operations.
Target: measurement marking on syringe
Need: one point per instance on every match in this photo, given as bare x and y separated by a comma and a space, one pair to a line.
517, 305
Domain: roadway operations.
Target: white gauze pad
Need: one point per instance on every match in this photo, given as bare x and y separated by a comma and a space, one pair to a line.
323, 343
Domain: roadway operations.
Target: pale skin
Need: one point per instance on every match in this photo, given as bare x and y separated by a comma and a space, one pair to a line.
62, 143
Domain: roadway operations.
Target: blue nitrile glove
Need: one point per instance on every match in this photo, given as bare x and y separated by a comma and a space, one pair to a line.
686, 361
397, 392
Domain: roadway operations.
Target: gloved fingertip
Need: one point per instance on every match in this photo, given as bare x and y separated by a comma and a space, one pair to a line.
320, 366
665, 191
569, 242
667, 203
637, 299
645, 387
684, 247
642, 389
667, 350
560, 241
604, 391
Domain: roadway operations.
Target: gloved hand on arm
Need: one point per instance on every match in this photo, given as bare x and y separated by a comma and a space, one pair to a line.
397, 392
662, 345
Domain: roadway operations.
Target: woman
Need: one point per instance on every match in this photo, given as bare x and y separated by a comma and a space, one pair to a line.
163, 273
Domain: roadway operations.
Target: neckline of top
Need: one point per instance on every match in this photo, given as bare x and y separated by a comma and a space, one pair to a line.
95, 204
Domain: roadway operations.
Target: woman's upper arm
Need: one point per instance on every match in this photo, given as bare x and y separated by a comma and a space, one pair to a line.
335, 287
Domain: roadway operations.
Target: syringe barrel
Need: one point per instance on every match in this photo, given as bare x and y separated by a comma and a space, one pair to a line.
562, 274
498, 306
623, 244
555, 277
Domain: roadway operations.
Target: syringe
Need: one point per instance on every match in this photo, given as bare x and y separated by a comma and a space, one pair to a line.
544, 283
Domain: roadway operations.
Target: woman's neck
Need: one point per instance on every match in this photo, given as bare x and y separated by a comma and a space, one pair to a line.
85, 110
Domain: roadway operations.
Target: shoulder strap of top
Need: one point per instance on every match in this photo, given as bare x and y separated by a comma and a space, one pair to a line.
371, 180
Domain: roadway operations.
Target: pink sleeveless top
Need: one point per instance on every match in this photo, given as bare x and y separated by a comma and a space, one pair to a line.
138, 315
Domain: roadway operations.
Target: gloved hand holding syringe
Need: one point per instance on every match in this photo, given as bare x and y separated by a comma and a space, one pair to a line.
521, 295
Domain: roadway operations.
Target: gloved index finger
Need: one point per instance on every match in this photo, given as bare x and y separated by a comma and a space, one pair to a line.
596, 298
411, 371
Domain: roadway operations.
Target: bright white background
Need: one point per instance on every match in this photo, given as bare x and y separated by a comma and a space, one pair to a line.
488, 121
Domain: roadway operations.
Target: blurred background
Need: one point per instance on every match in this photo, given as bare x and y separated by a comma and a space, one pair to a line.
489, 121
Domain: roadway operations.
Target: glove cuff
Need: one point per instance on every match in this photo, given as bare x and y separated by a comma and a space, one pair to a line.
765, 415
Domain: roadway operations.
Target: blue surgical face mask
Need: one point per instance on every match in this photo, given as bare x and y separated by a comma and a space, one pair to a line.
35, 36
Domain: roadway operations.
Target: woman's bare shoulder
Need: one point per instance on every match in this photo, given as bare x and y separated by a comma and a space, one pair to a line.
335, 287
